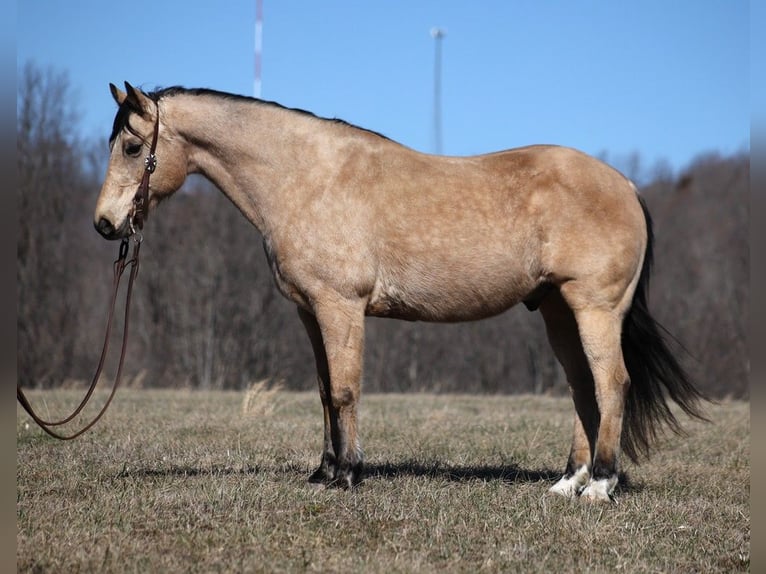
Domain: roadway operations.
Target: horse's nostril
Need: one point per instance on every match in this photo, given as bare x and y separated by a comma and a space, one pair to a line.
105, 227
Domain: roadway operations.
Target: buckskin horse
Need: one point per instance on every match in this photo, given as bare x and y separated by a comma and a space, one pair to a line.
355, 224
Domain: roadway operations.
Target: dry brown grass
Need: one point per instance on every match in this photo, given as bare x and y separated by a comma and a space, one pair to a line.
179, 481
261, 398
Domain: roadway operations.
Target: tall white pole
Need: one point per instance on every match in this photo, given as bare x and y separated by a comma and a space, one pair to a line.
258, 47
437, 34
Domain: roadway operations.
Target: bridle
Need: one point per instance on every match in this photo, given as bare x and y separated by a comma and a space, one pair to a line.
136, 219
139, 213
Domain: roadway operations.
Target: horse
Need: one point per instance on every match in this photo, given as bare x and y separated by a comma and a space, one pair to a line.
355, 224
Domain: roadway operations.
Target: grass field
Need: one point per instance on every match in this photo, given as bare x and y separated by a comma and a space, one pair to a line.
174, 481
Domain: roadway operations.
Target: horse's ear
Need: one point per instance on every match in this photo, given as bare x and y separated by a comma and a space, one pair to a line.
138, 101
118, 95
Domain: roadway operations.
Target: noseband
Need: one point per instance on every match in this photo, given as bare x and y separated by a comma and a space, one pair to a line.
140, 210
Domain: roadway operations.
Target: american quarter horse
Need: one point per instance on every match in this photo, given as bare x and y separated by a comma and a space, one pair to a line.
356, 224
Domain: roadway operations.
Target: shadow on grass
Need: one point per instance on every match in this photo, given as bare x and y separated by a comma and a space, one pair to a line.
510, 474
506, 473
385, 470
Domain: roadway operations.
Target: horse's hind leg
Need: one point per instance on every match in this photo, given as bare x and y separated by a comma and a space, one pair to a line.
564, 338
601, 334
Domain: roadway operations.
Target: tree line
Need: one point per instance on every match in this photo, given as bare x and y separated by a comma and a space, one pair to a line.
206, 313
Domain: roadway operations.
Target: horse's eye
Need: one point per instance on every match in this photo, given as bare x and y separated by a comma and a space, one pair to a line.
133, 149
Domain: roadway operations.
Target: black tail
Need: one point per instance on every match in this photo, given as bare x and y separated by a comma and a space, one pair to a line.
655, 373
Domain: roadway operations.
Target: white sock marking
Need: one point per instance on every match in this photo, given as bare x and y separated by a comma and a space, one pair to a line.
600, 490
571, 487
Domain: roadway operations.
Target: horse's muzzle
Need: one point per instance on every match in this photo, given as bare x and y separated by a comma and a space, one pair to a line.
108, 230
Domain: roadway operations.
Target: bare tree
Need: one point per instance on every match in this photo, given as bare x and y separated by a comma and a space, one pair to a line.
46, 167
702, 268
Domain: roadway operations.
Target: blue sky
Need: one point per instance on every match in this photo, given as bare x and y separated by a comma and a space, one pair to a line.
666, 79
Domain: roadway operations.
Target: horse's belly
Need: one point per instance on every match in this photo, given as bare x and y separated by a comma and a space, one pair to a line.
440, 300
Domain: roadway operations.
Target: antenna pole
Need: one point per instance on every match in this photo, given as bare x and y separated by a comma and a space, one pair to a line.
438, 34
258, 47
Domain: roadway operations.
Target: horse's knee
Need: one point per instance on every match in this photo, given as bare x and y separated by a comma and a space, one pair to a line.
344, 396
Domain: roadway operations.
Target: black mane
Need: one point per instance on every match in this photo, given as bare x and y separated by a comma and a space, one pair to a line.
123, 113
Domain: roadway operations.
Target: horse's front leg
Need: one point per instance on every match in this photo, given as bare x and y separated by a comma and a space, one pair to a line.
341, 332
326, 470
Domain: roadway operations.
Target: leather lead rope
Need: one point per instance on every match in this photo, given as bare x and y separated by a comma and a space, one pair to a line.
136, 219
119, 266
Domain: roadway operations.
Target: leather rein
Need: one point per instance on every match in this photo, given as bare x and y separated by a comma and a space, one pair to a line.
136, 218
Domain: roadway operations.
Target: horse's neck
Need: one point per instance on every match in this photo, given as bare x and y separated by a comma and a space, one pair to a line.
246, 149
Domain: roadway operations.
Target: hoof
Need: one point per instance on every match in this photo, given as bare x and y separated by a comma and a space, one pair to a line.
320, 477
571, 486
348, 476
325, 472
600, 490
330, 476
343, 482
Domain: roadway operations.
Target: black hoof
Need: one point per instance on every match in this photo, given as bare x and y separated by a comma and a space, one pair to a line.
332, 475
325, 472
319, 476
348, 478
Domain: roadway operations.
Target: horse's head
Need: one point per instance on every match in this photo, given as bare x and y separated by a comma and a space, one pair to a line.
130, 144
